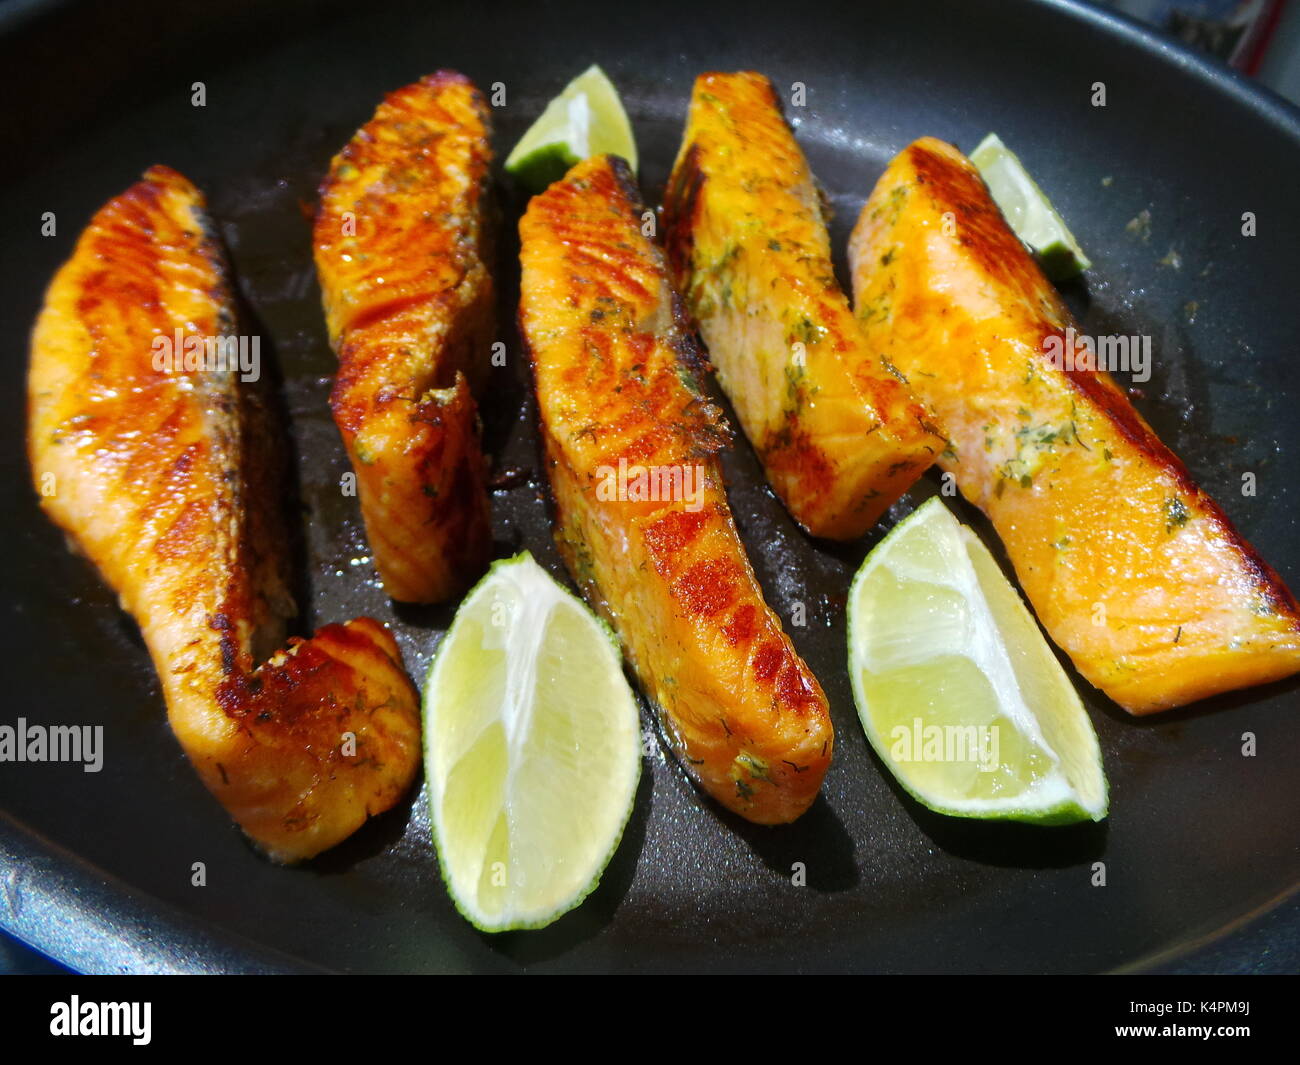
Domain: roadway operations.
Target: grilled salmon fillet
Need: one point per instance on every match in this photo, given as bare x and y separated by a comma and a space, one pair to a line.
165, 474
841, 438
400, 253
1133, 570
661, 559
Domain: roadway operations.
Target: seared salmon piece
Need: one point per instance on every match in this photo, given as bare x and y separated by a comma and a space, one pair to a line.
400, 252
1133, 570
162, 467
641, 513
841, 438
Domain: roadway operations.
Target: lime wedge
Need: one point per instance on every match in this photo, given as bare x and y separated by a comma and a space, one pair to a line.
586, 119
1028, 211
956, 688
532, 749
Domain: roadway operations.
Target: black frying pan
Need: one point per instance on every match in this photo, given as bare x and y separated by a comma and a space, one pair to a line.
1201, 840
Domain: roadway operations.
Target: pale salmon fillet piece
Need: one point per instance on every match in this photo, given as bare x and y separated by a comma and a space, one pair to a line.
1133, 570
840, 437
400, 242
613, 366
168, 480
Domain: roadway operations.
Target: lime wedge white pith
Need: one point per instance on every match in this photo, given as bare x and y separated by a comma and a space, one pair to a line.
586, 119
532, 749
958, 692
1028, 210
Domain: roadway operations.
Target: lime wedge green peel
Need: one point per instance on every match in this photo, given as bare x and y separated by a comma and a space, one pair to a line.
532, 749
957, 689
1029, 212
586, 119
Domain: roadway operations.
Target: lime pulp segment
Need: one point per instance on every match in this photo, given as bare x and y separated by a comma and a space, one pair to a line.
532, 749
957, 689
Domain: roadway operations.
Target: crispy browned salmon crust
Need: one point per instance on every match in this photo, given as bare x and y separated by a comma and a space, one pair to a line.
399, 242
166, 477
840, 436
1134, 571
613, 367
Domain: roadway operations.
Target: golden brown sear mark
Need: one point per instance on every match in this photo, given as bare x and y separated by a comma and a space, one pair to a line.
401, 248
168, 478
614, 370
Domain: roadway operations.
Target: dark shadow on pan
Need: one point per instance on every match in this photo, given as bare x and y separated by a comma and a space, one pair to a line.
1010, 844
283, 448
1181, 715
819, 833
433, 616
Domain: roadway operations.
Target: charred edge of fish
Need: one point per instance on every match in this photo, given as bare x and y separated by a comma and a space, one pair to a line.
544, 461
690, 353
681, 211
957, 184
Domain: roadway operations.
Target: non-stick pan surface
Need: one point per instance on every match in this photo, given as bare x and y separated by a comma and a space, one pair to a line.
97, 868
